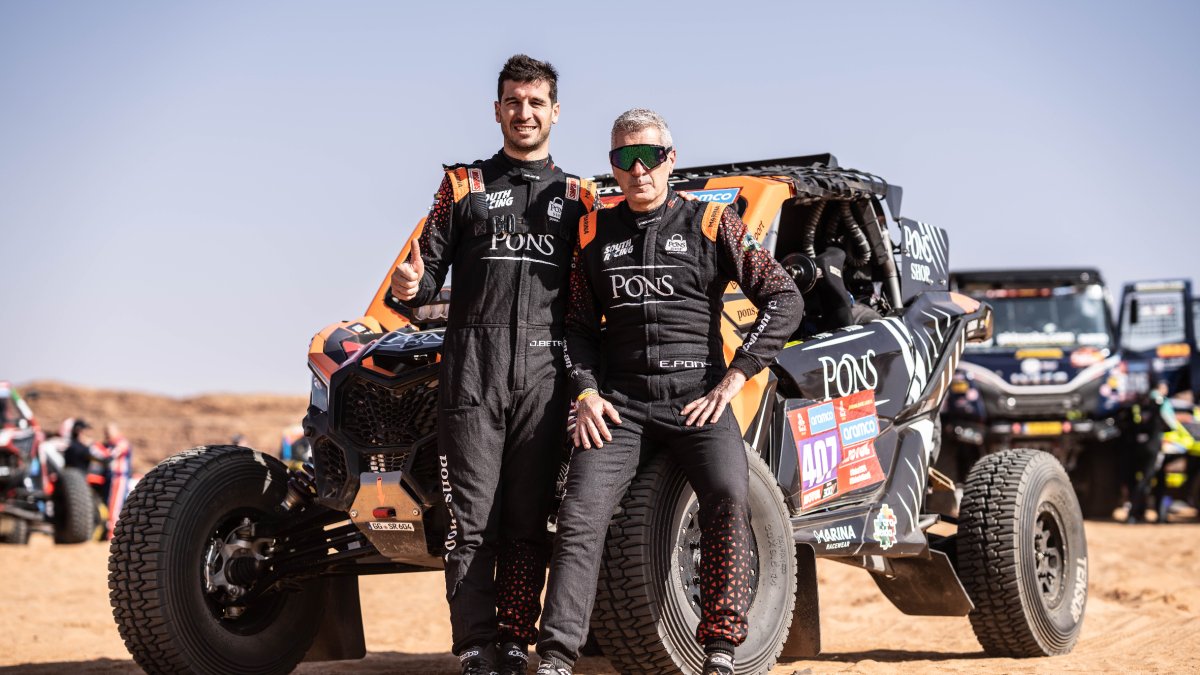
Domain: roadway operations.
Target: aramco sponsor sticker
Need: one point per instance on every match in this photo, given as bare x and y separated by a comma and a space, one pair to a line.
835, 447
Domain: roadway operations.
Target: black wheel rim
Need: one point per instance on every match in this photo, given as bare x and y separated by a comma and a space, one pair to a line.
687, 556
1050, 554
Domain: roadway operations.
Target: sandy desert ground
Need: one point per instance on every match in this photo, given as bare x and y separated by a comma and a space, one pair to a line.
1143, 616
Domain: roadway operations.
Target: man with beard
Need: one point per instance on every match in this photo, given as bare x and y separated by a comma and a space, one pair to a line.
656, 268
506, 225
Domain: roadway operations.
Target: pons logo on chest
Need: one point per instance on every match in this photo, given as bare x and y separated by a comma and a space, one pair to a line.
636, 286
518, 243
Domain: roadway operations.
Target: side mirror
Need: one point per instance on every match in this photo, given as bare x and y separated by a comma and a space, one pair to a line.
1133, 310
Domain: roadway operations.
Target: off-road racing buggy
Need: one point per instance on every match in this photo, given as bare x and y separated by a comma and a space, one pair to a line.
1051, 377
37, 492
223, 562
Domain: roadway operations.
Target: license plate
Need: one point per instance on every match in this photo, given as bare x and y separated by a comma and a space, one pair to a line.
1043, 429
391, 526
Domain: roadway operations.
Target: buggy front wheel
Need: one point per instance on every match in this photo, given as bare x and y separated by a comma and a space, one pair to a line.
1022, 554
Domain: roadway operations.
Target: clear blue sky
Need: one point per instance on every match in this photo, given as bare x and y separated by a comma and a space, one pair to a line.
188, 191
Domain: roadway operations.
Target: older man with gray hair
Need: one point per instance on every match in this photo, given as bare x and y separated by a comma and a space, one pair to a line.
656, 267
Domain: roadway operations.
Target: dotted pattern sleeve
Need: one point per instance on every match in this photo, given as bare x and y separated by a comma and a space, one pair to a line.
767, 285
438, 243
583, 329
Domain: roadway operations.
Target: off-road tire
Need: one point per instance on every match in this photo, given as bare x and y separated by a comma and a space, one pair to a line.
156, 561
1016, 505
74, 516
18, 534
643, 619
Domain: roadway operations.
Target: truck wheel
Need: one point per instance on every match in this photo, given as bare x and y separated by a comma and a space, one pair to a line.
1099, 481
73, 514
1022, 555
174, 573
648, 597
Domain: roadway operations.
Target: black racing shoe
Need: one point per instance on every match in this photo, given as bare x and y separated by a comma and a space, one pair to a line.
547, 667
718, 663
475, 662
514, 659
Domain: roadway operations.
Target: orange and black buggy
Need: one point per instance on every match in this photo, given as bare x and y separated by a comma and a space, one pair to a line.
224, 561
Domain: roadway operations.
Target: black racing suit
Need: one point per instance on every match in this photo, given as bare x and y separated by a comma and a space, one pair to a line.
658, 279
507, 228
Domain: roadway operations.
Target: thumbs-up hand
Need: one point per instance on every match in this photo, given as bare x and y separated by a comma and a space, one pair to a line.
406, 278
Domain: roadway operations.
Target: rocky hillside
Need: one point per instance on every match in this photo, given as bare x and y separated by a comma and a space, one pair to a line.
159, 426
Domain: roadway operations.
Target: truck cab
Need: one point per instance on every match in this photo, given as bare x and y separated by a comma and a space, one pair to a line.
1051, 378
1158, 328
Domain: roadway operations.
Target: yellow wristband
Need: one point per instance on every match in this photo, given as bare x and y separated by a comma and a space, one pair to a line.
586, 393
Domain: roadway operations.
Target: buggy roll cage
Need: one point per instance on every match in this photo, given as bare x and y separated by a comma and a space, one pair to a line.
815, 180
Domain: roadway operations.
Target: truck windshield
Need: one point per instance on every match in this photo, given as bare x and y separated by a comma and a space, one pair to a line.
1160, 317
1061, 316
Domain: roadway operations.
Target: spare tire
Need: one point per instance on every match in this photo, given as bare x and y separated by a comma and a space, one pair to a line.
1022, 554
648, 598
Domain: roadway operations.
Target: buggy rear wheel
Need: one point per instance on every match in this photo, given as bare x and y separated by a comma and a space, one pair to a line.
1022, 554
648, 598
185, 549
74, 516
14, 530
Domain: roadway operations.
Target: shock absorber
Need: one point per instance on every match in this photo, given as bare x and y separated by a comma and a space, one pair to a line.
302, 487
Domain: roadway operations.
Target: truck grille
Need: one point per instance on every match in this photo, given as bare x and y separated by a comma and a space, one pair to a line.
1045, 406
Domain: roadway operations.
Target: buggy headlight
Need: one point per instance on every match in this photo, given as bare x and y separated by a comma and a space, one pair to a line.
319, 396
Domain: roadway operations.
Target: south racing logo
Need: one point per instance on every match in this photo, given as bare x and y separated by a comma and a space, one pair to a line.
619, 249
501, 199
676, 244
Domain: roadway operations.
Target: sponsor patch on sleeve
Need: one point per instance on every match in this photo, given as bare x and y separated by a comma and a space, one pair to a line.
749, 243
572, 188
475, 179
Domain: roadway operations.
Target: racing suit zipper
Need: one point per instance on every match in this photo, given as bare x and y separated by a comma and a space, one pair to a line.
521, 337
650, 311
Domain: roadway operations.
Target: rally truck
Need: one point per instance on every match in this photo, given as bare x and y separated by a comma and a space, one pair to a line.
1158, 326
224, 561
1051, 377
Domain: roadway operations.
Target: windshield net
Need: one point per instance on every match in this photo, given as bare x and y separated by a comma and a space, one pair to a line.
1062, 316
1160, 320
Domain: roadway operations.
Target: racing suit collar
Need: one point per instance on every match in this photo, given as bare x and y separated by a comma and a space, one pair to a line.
642, 220
538, 167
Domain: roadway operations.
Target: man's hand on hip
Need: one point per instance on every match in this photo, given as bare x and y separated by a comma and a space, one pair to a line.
406, 278
711, 405
590, 428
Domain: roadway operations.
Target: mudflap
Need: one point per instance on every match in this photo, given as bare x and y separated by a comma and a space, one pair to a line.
341, 634
924, 586
804, 637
